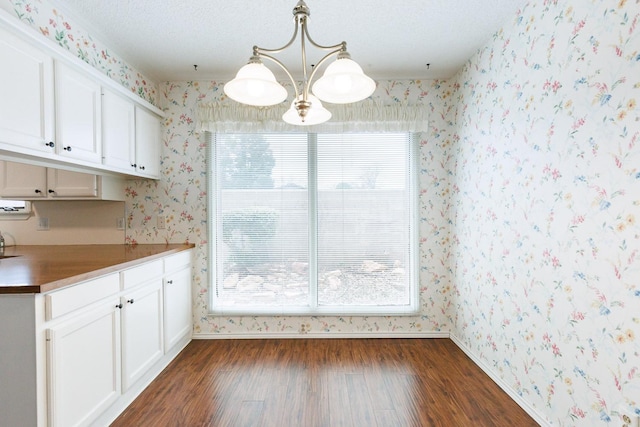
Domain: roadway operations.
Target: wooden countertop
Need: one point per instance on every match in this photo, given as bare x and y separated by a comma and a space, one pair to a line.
36, 269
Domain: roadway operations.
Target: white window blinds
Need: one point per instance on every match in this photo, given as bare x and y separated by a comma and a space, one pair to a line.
313, 223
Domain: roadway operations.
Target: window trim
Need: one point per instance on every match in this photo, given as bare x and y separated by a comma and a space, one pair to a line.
411, 309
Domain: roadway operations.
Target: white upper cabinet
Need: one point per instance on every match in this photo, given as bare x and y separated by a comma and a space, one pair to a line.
22, 181
118, 132
78, 115
147, 143
63, 183
30, 182
51, 112
130, 137
26, 103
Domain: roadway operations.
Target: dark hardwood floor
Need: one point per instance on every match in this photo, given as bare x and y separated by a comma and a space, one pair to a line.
323, 382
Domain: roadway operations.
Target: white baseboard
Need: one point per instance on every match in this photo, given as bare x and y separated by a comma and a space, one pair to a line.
533, 413
327, 335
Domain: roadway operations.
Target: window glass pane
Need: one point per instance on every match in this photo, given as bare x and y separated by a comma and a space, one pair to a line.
262, 220
313, 224
363, 220
12, 205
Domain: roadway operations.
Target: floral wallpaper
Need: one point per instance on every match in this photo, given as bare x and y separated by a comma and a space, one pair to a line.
44, 18
529, 204
545, 209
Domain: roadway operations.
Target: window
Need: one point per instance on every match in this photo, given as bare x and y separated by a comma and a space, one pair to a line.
313, 224
14, 209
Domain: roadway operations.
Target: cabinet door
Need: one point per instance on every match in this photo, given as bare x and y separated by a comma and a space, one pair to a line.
26, 103
22, 181
118, 132
141, 331
177, 307
78, 111
147, 143
62, 183
84, 366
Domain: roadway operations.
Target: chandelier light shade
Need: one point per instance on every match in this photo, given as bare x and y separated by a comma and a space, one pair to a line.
343, 81
314, 115
255, 85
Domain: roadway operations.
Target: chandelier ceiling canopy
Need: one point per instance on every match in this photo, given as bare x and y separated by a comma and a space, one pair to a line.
343, 81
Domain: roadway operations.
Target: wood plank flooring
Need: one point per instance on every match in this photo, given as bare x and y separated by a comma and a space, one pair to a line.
323, 382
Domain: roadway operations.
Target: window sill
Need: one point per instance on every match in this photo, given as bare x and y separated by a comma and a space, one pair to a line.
304, 311
18, 216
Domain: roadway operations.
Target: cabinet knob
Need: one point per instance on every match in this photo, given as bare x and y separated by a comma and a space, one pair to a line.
130, 301
119, 305
52, 191
67, 148
169, 282
50, 144
38, 191
142, 167
134, 165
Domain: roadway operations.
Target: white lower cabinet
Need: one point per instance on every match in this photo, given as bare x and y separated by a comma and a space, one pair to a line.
142, 343
97, 345
84, 366
178, 317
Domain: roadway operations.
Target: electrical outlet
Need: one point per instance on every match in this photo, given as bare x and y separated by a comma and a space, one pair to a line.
43, 224
161, 222
120, 223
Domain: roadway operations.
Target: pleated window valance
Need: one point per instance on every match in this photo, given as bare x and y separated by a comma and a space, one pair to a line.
360, 117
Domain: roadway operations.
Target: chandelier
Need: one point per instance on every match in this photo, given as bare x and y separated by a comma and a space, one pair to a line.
343, 81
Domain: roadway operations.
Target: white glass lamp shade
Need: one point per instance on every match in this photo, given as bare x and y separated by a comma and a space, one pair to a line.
343, 82
256, 85
315, 115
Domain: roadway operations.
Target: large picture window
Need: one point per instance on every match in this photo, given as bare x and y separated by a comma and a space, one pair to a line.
313, 224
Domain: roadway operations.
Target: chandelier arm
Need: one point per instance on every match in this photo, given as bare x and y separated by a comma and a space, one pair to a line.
281, 65
261, 50
340, 46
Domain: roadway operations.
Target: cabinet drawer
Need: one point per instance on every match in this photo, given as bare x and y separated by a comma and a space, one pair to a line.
177, 261
74, 297
141, 274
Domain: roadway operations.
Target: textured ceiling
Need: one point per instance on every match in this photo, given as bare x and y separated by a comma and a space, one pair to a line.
164, 39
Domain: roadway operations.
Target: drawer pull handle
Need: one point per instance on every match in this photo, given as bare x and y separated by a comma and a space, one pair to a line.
119, 305
130, 301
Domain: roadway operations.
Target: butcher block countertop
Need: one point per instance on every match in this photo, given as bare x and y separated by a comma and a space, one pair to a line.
36, 269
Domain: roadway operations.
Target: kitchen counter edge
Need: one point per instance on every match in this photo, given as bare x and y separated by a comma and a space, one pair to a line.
150, 253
